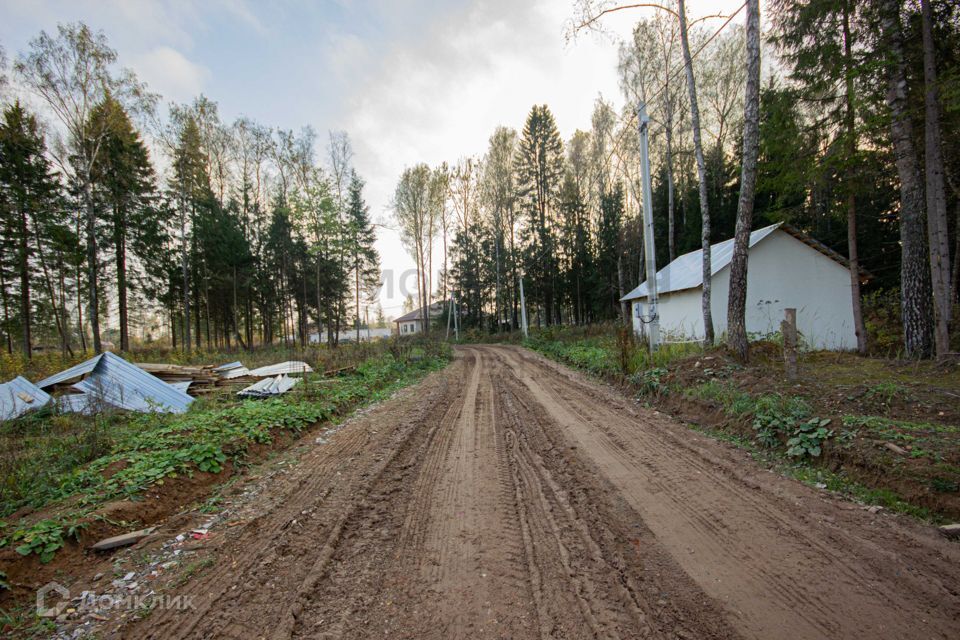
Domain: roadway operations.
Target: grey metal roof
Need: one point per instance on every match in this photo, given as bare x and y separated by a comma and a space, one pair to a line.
77, 403
686, 272
75, 371
127, 386
19, 396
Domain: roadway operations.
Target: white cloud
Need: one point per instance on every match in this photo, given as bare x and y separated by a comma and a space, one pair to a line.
438, 97
170, 73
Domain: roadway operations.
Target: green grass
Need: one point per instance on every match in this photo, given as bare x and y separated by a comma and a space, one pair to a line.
777, 419
605, 350
145, 450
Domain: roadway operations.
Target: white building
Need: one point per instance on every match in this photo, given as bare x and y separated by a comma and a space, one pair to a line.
785, 268
411, 323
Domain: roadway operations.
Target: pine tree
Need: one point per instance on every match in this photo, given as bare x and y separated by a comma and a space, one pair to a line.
540, 169
364, 259
125, 190
28, 191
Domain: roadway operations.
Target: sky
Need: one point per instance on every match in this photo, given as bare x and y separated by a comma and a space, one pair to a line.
409, 80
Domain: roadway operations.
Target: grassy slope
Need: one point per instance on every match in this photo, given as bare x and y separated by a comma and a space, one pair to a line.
830, 429
68, 466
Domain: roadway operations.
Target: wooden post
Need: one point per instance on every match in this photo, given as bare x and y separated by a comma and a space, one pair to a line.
789, 329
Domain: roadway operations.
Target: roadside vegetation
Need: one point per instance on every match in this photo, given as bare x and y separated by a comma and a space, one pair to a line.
885, 432
58, 472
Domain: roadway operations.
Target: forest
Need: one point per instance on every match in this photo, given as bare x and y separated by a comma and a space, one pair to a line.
854, 141
186, 230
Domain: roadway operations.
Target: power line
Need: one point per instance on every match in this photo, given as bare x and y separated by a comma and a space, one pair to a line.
670, 77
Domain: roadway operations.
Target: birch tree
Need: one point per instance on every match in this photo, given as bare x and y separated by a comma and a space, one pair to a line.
72, 73
736, 304
701, 176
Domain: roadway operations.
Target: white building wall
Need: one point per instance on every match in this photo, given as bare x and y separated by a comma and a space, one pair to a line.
782, 272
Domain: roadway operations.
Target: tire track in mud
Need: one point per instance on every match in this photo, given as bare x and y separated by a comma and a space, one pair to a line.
780, 575
506, 497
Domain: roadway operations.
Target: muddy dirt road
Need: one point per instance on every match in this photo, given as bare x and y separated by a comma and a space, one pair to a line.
508, 497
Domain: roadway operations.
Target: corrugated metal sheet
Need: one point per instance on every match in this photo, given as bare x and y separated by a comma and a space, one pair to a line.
182, 386
77, 403
290, 367
269, 387
19, 396
75, 371
236, 372
127, 386
686, 272
227, 367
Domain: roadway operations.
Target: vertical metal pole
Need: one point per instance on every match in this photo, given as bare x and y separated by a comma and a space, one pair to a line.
449, 315
456, 319
523, 310
648, 247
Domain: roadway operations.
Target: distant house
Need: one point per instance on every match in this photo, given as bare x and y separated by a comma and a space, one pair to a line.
785, 268
411, 323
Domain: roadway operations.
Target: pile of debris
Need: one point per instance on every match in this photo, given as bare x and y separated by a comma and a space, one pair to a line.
109, 381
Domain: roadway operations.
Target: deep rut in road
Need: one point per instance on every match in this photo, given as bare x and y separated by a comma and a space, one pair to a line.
507, 497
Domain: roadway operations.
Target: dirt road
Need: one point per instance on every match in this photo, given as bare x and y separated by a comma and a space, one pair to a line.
507, 497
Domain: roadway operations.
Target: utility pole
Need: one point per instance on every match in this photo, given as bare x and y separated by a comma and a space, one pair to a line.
523, 310
456, 318
449, 315
648, 248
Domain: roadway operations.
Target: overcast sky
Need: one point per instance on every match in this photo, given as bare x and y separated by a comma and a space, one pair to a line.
410, 81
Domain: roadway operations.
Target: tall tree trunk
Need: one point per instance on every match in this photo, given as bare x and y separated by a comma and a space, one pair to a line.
62, 270
915, 293
621, 287
936, 195
357, 284
92, 269
736, 307
707, 269
23, 259
849, 121
185, 337
61, 329
955, 278
671, 233
119, 242
8, 338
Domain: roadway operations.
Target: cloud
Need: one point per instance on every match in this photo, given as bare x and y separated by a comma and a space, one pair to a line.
438, 94
169, 72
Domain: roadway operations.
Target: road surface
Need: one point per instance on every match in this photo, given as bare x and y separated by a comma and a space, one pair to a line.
508, 497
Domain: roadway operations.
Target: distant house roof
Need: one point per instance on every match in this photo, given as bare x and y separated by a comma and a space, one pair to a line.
436, 309
686, 272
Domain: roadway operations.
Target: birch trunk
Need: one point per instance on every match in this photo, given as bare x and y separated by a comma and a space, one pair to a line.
736, 307
708, 336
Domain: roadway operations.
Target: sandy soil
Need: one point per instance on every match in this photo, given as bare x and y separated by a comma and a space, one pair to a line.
508, 497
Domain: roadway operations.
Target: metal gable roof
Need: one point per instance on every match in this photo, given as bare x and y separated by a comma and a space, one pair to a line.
19, 396
75, 371
686, 272
127, 386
